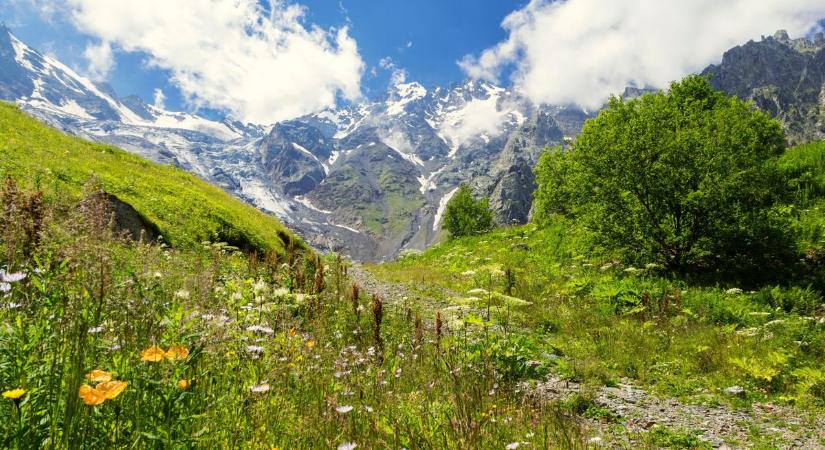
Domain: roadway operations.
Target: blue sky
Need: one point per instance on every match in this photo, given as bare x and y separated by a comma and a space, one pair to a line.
293, 57
424, 37
441, 32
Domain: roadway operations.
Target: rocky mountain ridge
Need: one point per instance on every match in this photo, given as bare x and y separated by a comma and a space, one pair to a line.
368, 179
373, 179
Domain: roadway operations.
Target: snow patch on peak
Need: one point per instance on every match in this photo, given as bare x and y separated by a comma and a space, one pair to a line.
183, 121
302, 149
46, 71
20, 50
404, 94
73, 108
334, 156
413, 89
492, 89
428, 183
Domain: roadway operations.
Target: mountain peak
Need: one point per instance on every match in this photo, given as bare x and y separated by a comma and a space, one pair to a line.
804, 44
402, 94
406, 90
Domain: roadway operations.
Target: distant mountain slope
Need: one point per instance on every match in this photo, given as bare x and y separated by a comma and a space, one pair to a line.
372, 179
368, 179
185, 209
396, 161
783, 76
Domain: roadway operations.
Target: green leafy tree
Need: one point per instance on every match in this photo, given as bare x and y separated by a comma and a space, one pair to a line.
687, 178
555, 178
466, 216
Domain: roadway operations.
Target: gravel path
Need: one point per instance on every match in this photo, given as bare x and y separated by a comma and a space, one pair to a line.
636, 410
720, 425
397, 293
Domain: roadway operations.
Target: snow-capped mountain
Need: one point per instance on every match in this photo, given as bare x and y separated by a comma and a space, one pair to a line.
370, 179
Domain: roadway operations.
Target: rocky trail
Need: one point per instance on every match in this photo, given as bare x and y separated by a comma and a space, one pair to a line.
398, 294
635, 411
718, 426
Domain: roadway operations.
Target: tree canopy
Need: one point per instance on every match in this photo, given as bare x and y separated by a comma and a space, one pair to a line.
685, 178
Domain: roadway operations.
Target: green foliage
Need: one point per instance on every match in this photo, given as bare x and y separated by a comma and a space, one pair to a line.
516, 357
584, 405
804, 165
803, 301
663, 437
585, 316
555, 176
687, 179
763, 368
186, 209
466, 216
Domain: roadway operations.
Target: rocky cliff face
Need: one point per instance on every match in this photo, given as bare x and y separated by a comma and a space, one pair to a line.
293, 156
397, 161
784, 77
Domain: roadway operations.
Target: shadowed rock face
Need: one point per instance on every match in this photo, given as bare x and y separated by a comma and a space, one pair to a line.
783, 77
125, 218
513, 181
292, 156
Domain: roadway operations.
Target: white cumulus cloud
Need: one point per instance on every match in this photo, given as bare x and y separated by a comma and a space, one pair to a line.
581, 51
397, 74
259, 61
100, 60
474, 118
483, 116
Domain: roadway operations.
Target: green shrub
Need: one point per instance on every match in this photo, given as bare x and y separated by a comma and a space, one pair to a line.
516, 357
584, 405
663, 437
466, 216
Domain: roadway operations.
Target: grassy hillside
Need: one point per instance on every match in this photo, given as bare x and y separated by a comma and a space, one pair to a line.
186, 209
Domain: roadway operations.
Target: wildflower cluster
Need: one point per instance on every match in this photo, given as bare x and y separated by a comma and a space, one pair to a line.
105, 388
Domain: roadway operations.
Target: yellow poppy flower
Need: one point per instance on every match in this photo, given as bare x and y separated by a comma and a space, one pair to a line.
152, 354
291, 333
99, 376
112, 389
177, 352
184, 384
91, 396
14, 394
310, 344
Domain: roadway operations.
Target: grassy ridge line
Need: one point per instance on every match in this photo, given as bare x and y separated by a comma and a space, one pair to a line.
186, 209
